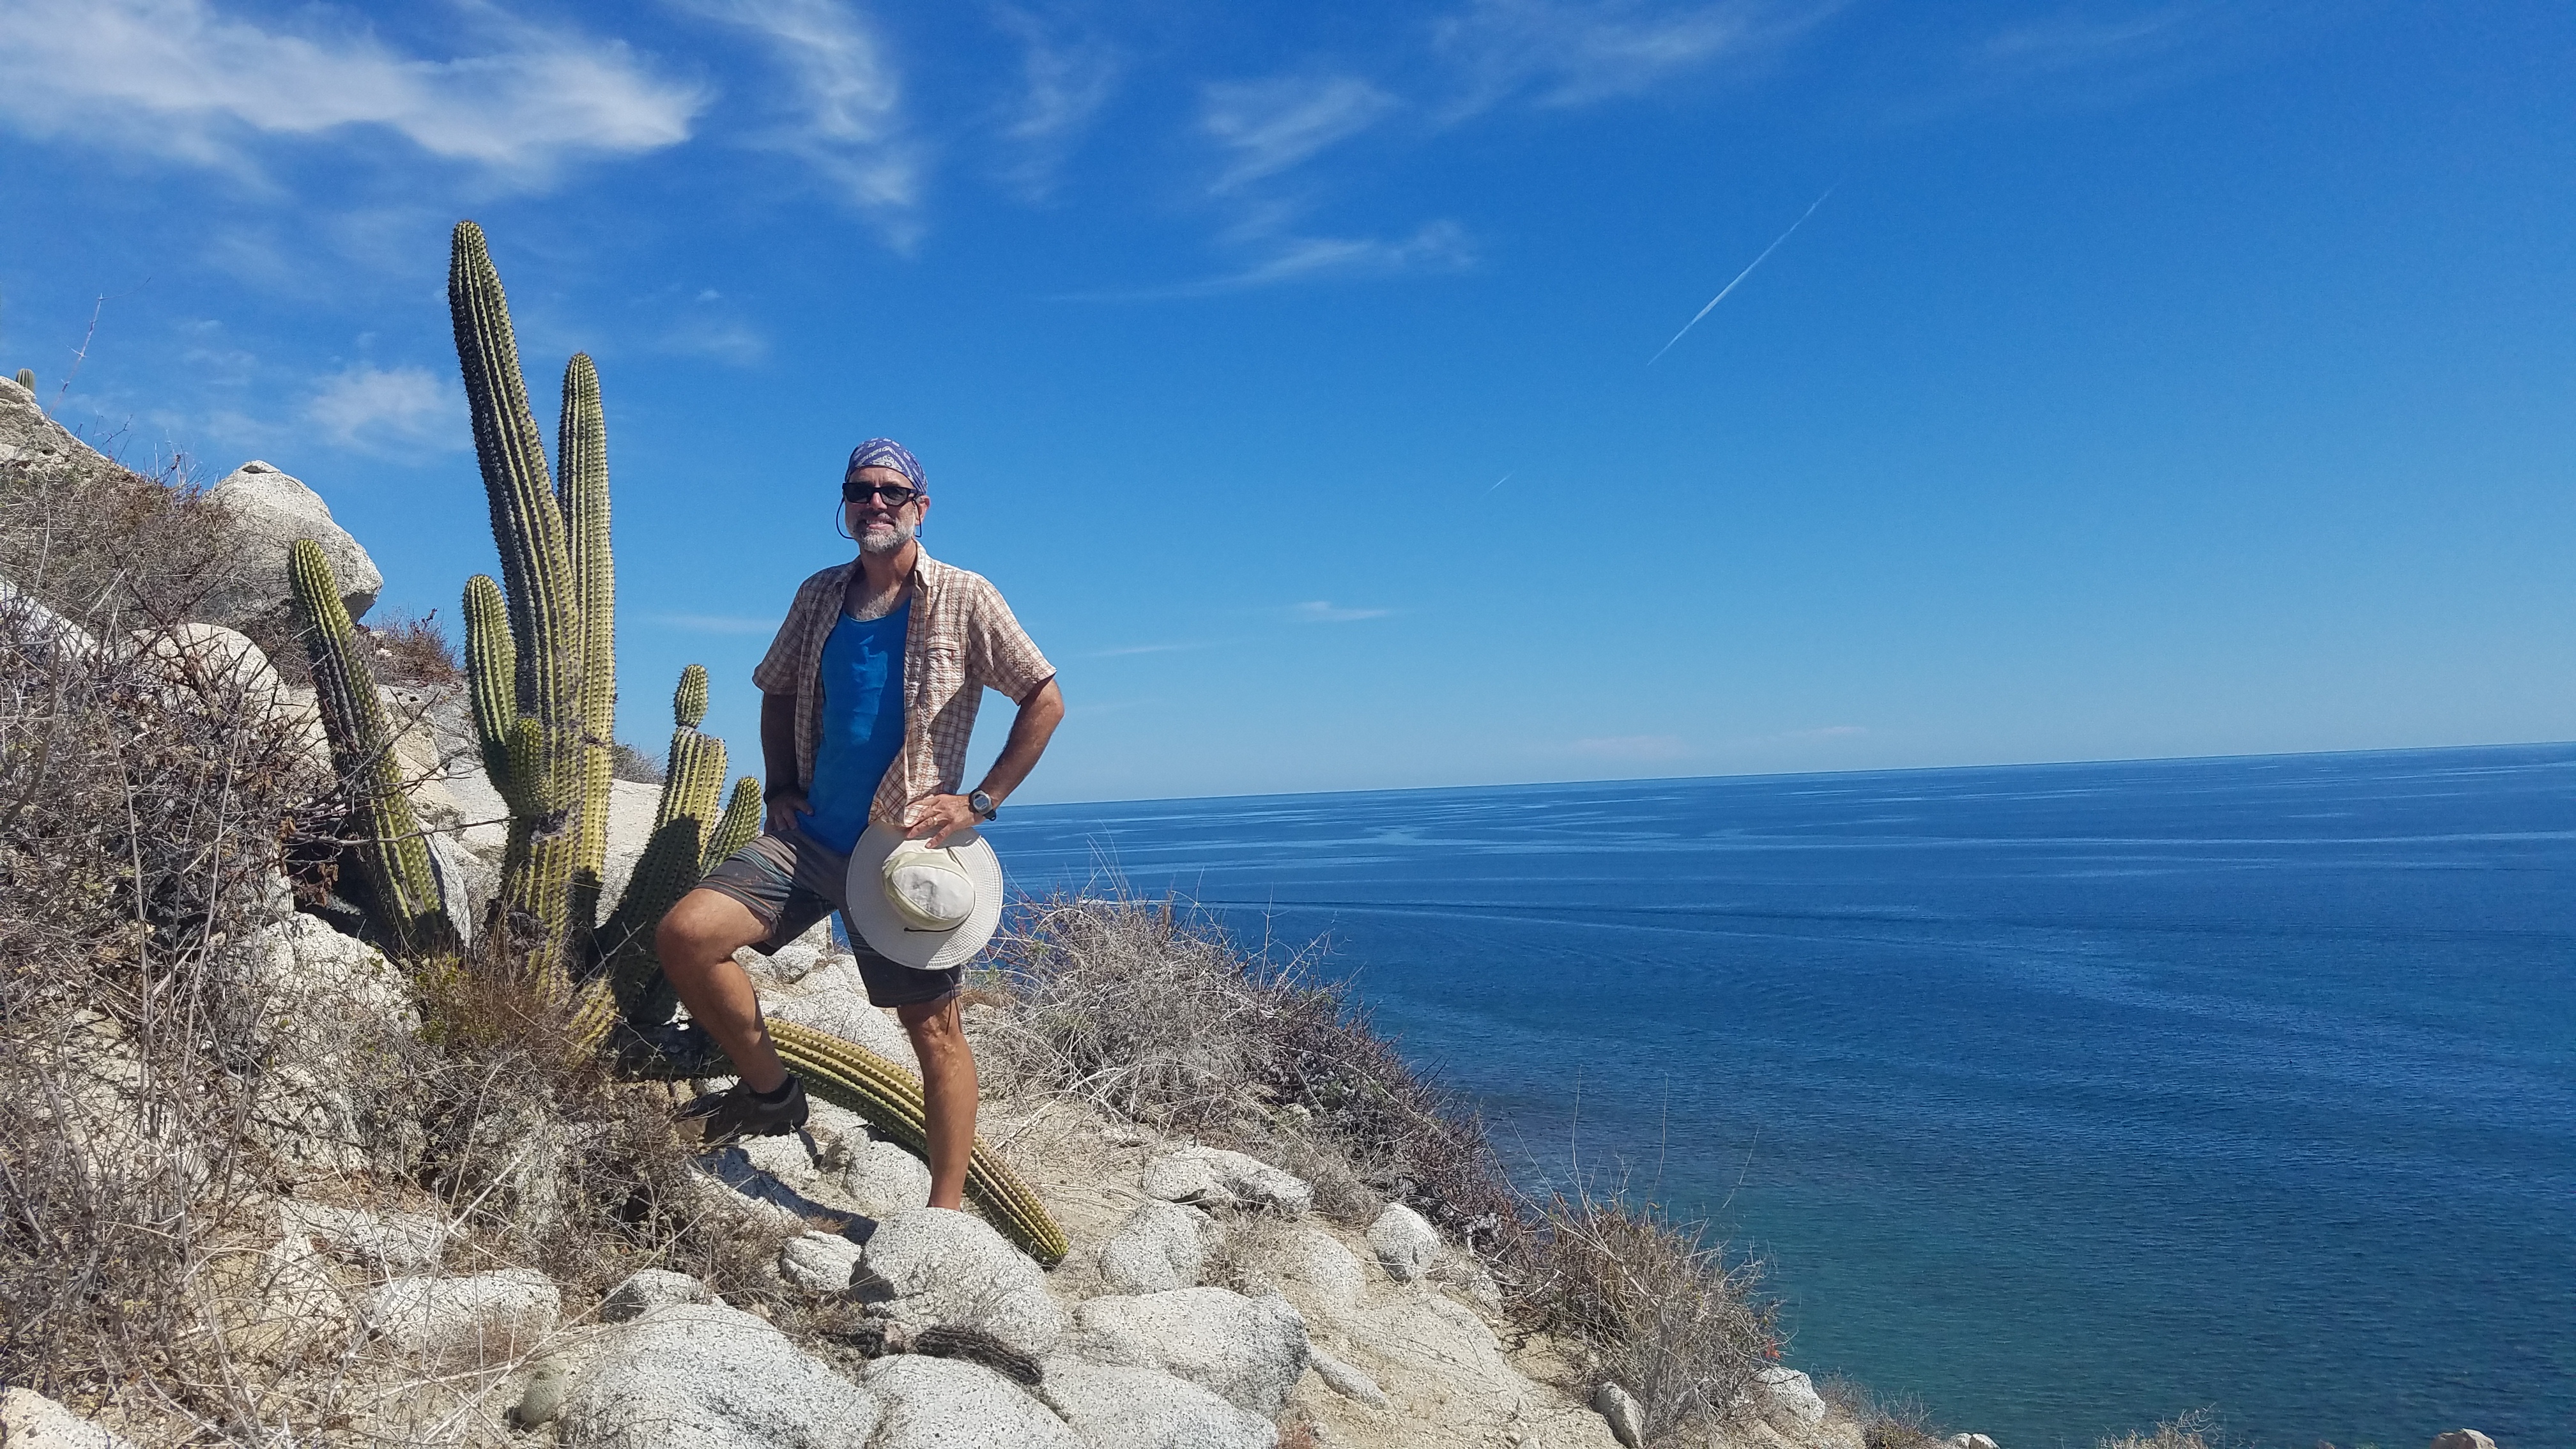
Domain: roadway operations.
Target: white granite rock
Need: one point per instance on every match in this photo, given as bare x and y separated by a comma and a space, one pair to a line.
651, 1288
710, 1377
1160, 1246
943, 1403
1627, 1420
1247, 1351
268, 511
818, 1261
1140, 1408
1214, 1177
1405, 1242
1345, 1380
29, 1420
880, 1178
928, 1265
1790, 1398
480, 1319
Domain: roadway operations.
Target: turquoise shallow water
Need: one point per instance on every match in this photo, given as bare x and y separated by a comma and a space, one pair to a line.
2064, 1097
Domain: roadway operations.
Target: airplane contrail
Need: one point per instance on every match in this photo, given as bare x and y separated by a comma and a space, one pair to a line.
1499, 482
1739, 277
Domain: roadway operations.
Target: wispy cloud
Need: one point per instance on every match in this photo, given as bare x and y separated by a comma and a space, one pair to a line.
1064, 81
376, 409
1570, 53
1265, 127
1320, 611
713, 623
705, 332
842, 106
180, 78
2078, 41
1133, 649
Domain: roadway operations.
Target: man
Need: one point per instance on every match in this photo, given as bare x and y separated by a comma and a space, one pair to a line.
867, 697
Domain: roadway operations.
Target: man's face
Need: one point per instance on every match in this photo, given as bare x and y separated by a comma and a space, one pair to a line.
881, 526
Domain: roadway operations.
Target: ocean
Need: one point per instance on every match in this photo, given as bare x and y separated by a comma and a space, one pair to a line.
2064, 1098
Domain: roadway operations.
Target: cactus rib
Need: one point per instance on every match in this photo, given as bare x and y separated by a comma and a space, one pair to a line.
851, 1076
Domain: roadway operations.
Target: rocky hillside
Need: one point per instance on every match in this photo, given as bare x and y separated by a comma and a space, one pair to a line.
274, 1189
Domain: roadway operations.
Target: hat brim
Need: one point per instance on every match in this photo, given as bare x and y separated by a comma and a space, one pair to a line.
874, 917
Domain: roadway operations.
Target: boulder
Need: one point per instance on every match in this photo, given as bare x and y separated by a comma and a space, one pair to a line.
479, 1320
1159, 1247
1405, 1242
29, 1420
1626, 1418
328, 1004
51, 637
1214, 1177
279, 1306
2462, 1439
1790, 1398
880, 1178
944, 1403
42, 445
220, 664
652, 1288
1247, 1351
927, 1265
1317, 1273
1980, 1441
380, 1242
1139, 1408
821, 1262
268, 511
710, 1377
1343, 1379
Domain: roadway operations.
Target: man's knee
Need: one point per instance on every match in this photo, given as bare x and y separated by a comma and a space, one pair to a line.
704, 926
936, 1028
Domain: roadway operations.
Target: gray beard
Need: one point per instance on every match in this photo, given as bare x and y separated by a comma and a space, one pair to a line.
890, 541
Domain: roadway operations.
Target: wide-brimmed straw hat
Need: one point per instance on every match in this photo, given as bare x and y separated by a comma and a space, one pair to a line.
924, 908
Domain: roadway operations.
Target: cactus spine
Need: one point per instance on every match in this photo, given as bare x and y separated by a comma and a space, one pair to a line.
541, 748
393, 852
849, 1075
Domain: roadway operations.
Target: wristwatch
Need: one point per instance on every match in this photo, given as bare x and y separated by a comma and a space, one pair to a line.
983, 806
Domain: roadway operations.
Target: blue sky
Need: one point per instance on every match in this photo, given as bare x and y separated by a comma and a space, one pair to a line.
2156, 378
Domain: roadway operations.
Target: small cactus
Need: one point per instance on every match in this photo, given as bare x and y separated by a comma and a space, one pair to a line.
393, 852
27, 378
685, 828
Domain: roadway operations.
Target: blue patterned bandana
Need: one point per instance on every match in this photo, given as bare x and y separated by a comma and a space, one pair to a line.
886, 453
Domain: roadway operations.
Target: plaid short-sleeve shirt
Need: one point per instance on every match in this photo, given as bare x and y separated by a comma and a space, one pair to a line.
961, 639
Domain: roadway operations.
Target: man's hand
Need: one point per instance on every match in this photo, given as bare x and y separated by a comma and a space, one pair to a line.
939, 817
783, 808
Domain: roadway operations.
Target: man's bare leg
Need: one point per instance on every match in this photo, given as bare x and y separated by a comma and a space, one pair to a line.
938, 1034
696, 941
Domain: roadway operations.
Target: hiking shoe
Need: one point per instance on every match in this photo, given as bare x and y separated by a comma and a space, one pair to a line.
738, 1111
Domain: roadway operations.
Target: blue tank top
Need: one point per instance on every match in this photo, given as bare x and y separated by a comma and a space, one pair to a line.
862, 725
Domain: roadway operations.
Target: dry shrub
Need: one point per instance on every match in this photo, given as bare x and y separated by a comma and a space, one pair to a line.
113, 550
143, 812
412, 649
1153, 1012
625, 762
1899, 1423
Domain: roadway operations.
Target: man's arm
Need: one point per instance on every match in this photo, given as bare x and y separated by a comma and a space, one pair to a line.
942, 815
778, 760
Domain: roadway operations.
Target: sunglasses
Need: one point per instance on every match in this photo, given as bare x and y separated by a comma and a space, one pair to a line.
895, 494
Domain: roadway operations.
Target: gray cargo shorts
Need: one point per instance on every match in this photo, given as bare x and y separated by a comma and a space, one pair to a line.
792, 881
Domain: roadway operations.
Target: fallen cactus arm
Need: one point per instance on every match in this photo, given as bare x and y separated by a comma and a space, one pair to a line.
848, 1075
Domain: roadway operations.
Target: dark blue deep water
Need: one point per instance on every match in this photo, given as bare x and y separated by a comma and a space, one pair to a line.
2065, 1097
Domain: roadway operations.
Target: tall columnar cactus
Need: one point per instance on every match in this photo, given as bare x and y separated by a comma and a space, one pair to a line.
535, 733
27, 378
851, 1076
581, 486
391, 849
686, 826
